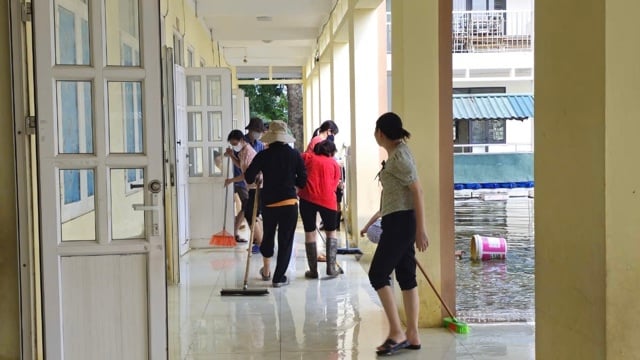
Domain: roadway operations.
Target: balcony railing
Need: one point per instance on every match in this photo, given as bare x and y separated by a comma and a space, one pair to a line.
492, 31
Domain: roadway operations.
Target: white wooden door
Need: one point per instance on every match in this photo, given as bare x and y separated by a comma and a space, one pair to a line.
209, 117
182, 156
100, 157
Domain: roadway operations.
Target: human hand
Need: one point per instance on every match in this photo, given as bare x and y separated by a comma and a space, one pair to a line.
227, 182
228, 152
422, 240
364, 230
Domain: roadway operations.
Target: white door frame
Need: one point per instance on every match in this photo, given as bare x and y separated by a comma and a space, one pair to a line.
21, 73
56, 253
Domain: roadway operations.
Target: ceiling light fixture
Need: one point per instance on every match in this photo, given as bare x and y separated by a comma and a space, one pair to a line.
264, 18
267, 41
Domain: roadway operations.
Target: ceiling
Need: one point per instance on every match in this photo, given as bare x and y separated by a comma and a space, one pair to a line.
286, 38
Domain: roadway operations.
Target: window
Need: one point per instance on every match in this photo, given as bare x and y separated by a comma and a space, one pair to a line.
190, 56
178, 49
487, 132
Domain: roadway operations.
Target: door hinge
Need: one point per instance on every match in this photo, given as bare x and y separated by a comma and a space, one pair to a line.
30, 125
27, 10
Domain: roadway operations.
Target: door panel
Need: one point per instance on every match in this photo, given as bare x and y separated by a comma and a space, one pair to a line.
205, 122
101, 171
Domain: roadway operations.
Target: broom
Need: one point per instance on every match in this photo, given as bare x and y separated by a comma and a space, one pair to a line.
451, 322
224, 238
245, 290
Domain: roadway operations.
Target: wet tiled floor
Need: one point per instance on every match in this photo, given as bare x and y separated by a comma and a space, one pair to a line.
309, 319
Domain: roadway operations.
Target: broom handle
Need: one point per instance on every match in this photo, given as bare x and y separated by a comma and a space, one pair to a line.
434, 289
254, 215
226, 197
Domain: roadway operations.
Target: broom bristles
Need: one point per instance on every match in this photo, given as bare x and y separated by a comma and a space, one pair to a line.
223, 239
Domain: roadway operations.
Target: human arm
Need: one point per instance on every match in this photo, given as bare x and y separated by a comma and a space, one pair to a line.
422, 240
234, 159
373, 219
301, 172
254, 168
233, 180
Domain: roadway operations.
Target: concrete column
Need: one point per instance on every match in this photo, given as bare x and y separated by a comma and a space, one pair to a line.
587, 179
366, 106
341, 91
326, 86
9, 288
421, 95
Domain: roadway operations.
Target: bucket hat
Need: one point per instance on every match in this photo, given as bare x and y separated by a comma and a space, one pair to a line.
278, 131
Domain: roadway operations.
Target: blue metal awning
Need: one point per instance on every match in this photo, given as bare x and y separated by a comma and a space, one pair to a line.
492, 107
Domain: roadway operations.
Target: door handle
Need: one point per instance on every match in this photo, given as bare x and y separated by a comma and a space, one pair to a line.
143, 207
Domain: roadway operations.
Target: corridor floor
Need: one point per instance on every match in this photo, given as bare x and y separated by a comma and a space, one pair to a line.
309, 319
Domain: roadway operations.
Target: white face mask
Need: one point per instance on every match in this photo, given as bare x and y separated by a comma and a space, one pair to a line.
236, 148
256, 135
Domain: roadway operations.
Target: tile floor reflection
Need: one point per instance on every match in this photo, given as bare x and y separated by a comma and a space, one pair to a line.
322, 319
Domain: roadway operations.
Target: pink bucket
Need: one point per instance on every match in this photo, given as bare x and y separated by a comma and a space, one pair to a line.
485, 248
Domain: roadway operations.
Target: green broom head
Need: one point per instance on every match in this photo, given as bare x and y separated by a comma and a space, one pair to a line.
455, 325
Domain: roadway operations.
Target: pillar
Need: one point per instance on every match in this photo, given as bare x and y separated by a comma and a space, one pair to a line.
421, 95
587, 179
341, 91
367, 103
9, 287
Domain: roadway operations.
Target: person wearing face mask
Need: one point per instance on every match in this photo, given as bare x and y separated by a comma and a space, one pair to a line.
241, 155
327, 131
255, 130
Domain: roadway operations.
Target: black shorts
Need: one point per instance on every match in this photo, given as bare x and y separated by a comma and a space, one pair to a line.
309, 211
243, 194
248, 206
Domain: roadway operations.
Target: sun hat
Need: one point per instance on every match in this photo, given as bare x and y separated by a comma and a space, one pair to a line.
278, 131
255, 123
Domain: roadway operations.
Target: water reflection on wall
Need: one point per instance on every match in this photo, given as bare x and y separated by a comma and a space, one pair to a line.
496, 290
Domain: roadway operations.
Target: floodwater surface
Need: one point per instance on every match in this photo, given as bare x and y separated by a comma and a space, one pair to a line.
497, 290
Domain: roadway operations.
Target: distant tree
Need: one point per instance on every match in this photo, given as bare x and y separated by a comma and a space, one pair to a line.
268, 102
294, 95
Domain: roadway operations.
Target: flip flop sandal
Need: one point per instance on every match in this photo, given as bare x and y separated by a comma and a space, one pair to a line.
414, 347
390, 347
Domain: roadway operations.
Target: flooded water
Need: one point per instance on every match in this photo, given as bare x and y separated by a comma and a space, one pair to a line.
497, 290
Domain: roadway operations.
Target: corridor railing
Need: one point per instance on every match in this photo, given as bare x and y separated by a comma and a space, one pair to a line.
492, 31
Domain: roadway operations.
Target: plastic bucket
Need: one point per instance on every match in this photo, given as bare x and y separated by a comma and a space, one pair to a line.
485, 248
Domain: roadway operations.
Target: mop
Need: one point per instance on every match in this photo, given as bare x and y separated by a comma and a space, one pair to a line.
451, 322
224, 238
347, 250
245, 290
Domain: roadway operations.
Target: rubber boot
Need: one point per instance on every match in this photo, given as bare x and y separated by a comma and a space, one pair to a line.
332, 253
312, 259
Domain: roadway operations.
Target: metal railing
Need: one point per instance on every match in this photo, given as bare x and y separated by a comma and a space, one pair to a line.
492, 148
492, 31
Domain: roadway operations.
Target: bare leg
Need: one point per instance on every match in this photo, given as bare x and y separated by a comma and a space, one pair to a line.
412, 309
257, 235
389, 304
331, 234
237, 222
266, 266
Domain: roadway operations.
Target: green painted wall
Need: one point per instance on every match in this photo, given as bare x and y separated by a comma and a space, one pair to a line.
486, 168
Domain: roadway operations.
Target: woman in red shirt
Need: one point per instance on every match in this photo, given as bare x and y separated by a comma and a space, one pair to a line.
327, 131
319, 196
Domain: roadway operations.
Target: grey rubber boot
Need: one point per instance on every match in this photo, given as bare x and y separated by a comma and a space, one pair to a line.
332, 253
312, 259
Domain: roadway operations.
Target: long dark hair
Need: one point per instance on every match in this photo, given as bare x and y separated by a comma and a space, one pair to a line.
325, 148
327, 125
391, 126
